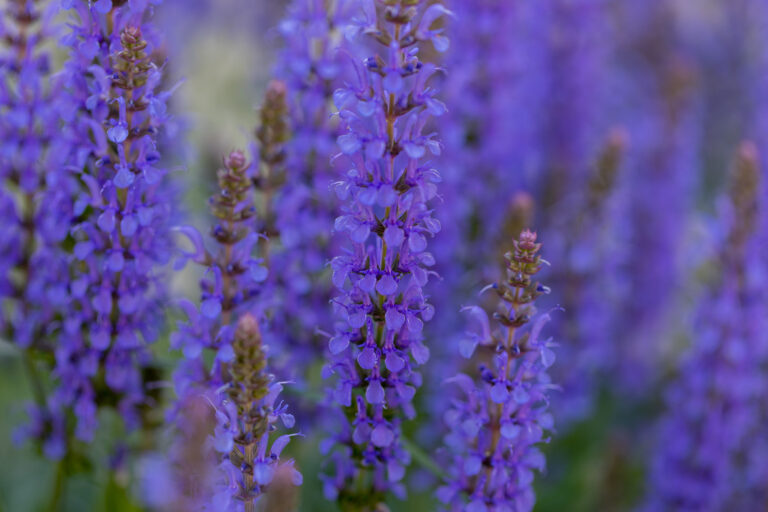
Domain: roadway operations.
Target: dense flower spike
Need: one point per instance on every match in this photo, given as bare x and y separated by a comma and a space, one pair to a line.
311, 67
246, 421
35, 200
712, 444
236, 383
386, 218
232, 281
495, 428
118, 231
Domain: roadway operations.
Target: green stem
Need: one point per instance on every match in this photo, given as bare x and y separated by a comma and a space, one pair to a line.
54, 504
423, 458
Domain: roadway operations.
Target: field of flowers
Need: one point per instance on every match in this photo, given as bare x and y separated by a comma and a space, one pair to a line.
383, 255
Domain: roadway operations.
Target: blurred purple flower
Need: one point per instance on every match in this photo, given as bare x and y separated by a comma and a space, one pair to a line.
711, 445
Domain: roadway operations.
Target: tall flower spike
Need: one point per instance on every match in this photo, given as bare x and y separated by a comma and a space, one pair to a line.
495, 428
233, 279
35, 201
119, 228
236, 382
711, 442
252, 461
311, 67
386, 217
272, 134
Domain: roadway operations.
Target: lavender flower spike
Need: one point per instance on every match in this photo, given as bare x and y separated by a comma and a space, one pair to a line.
35, 203
235, 383
119, 229
247, 419
381, 307
712, 444
495, 428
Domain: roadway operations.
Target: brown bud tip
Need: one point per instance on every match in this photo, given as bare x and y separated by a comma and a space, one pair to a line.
522, 204
130, 35
617, 138
276, 89
247, 327
528, 240
235, 160
748, 153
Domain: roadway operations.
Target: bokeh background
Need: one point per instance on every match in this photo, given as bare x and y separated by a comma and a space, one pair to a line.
672, 86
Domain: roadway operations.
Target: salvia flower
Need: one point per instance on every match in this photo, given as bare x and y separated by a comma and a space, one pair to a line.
712, 444
386, 217
311, 69
119, 233
35, 202
246, 418
494, 429
233, 278
243, 395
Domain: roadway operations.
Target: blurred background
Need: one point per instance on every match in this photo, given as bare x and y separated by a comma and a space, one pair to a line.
611, 129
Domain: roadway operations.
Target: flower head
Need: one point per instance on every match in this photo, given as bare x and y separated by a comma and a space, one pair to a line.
495, 427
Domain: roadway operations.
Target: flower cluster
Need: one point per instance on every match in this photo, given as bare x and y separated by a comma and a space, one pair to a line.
35, 203
494, 429
386, 218
247, 419
116, 225
31, 262
711, 451
233, 279
311, 67
236, 383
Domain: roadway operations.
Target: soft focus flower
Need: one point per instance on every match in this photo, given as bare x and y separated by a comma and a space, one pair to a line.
114, 218
225, 330
711, 446
501, 417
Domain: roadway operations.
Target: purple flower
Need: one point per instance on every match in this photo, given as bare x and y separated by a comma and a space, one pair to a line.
120, 223
711, 446
294, 178
243, 396
246, 416
229, 286
386, 217
501, 417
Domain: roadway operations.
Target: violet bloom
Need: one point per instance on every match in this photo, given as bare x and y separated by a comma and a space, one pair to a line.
495, 428
712, 446
236, 384
662, 162
35, 203
311, 69
120, 233
386, 194
233, 279
35, 191
245, 423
